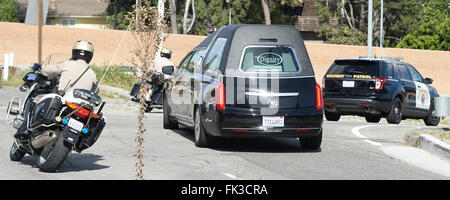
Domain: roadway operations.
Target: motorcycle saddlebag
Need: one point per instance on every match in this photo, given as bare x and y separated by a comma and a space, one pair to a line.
135, 91
96, 128
46, 110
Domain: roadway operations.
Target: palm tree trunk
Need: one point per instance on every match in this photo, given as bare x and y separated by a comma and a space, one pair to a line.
186, 12
115, 13
173, 16
266, 12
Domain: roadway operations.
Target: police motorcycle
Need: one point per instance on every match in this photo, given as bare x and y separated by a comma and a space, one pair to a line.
152, 90
57, 124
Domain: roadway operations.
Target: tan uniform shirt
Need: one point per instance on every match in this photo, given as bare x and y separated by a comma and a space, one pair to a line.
69, 71
160, 62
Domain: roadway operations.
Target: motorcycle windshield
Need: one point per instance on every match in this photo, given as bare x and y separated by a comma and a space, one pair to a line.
56, 58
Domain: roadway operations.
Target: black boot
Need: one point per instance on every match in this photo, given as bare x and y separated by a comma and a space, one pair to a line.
22, 132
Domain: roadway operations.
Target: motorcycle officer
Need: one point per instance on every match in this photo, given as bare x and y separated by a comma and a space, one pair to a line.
73, 74
163, 60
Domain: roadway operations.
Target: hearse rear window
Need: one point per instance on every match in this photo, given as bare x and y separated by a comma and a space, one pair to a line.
269, 59
360, 67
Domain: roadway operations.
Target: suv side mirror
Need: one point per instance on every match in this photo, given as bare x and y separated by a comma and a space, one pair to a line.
427, 80
168, 69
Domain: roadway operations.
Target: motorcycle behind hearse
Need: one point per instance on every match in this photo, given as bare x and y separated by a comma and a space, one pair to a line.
57, 122
152, 91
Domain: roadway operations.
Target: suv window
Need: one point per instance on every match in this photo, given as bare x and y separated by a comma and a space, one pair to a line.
403, 72
355, 67
269, 59
215, 55
415, 75
388, 70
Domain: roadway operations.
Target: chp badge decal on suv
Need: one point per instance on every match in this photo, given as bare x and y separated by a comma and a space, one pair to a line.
422, 96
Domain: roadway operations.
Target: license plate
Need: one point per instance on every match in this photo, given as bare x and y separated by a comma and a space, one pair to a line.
348, 83
73, 123
276, 121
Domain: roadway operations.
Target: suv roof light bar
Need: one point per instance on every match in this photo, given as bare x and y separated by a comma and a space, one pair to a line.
391, 58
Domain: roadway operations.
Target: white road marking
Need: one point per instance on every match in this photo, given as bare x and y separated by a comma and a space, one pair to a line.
231, 176
411, 155
356, 132
372, 142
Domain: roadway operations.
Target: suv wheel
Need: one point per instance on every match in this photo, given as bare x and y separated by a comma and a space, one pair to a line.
332, 116
373, 119
395, 115
432, 120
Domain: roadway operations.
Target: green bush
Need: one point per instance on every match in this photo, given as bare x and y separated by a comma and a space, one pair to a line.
14, 80
116, 77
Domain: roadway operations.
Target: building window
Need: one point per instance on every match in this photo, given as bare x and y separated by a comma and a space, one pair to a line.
68, 22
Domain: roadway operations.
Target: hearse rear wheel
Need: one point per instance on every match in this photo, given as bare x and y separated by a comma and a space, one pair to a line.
313, 142
201, 138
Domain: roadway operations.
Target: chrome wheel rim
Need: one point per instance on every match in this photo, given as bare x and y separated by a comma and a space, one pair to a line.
398, 111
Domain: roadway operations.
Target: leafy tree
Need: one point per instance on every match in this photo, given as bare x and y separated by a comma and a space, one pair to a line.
433, 31
419, 24
346, 32
117, 11
123, 8
215, 13
8, 11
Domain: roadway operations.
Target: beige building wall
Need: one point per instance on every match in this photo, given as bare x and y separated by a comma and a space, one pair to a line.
22, 40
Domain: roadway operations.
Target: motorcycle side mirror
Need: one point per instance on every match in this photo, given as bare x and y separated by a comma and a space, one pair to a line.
36, 67
23, 88
168, 69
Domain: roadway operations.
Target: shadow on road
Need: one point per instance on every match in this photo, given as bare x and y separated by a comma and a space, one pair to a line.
75, 162
82, 162
254, 144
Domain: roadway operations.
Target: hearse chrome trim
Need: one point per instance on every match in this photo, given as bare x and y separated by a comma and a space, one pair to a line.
270, 128
272, 76
267, 94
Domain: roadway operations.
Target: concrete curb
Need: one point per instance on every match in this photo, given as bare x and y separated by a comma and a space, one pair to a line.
430, 144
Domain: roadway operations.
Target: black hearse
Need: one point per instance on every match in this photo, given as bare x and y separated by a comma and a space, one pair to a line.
247, 80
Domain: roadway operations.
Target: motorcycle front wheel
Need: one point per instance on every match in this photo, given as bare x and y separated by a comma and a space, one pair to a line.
53, 154
16, 154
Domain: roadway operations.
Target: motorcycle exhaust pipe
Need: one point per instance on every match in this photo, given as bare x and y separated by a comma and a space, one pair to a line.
43, 139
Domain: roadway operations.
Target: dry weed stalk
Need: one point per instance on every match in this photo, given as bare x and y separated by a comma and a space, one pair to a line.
147, 34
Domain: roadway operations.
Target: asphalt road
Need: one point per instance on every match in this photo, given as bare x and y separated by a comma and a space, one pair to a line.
351, 149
